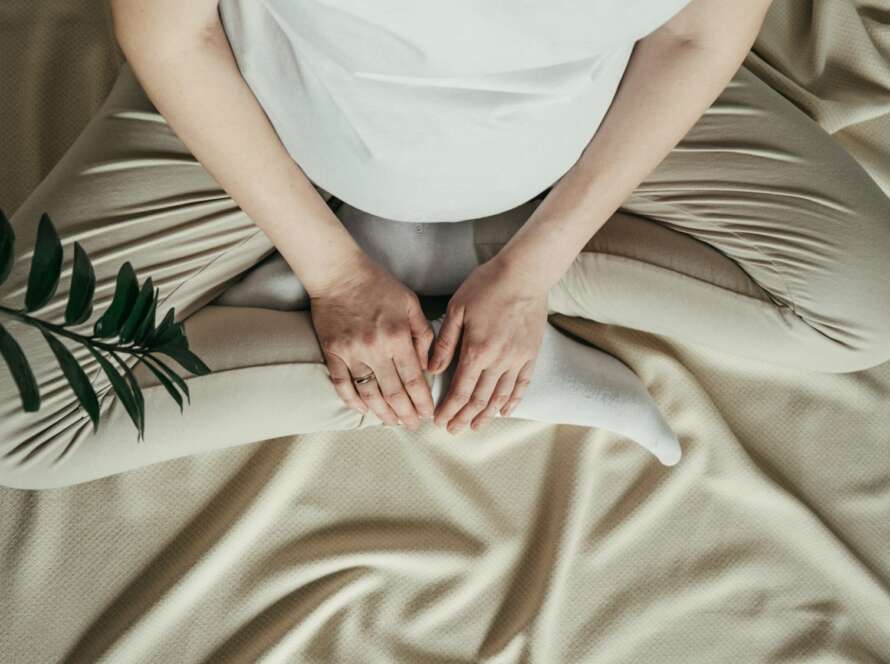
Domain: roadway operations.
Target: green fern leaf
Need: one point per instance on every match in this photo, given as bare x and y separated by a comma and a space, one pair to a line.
83, 286
186, 359
126, 291
136, 389
78, 380
175, 377
147, 326
21, 371
141, 308
164, 380
46, 266
7, 247
120, 385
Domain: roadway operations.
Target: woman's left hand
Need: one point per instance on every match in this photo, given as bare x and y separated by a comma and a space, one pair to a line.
499, 317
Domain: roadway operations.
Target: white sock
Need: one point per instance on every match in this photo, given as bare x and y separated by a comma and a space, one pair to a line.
574, 383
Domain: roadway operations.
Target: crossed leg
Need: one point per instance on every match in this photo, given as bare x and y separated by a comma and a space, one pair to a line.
129, 190
758, 236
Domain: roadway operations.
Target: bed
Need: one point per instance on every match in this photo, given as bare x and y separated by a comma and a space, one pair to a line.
522, 543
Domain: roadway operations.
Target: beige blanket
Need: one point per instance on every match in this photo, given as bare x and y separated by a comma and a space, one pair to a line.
524, 543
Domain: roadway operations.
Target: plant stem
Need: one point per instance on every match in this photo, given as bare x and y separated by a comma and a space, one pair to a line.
62, 332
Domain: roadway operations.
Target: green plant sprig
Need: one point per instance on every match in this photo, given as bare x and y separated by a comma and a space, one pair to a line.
127, 327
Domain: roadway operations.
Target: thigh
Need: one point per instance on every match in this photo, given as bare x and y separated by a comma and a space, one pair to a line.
762, 183
129, 190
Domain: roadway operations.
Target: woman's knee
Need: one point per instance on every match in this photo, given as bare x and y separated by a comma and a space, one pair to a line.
853, 326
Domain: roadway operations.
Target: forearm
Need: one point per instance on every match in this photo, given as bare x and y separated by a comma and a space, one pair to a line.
190, 74
673, 76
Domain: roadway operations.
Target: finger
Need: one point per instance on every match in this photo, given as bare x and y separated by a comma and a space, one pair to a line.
370, 394
501, 395
469, 367
478, 401
446, 341
342, 381
394, 393
522, 382
422, 335
411, 374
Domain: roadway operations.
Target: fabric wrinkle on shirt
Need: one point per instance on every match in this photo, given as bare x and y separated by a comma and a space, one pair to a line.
423, 111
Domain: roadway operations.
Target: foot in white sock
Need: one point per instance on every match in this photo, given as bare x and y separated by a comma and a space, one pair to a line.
574, 383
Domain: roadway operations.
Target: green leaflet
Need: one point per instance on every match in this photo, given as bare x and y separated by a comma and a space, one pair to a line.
147, 326
141, 308
21, 371
186, 359
7, 247
83, 286
130, 317
121, 387
175, 377
46, 266
165, 380
126, 291
137, 394
164, 333
76, 378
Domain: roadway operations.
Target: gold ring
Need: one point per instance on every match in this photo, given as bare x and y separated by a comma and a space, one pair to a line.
361, 380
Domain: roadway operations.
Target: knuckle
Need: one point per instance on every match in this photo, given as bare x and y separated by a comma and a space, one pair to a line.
483, 346
479, 351
473, 355
368, 337
392, 332
477, 403
461, 396
499, 399
415, 381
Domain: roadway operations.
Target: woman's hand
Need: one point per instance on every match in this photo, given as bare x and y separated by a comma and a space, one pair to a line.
368, 321
502, 317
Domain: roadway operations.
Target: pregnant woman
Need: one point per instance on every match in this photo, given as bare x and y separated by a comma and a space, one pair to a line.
610, 159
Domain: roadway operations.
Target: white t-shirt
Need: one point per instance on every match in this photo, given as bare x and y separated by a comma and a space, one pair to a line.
425, 111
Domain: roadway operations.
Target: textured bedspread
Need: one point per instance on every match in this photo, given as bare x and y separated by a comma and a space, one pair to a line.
524, 543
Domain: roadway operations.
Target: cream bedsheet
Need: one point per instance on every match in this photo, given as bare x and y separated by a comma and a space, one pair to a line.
523, 543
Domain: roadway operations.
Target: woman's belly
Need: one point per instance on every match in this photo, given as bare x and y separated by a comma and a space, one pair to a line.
430, 145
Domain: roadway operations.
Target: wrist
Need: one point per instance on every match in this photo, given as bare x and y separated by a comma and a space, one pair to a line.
523, 270
338, 268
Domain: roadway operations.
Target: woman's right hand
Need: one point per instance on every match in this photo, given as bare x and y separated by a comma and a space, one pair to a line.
368, 321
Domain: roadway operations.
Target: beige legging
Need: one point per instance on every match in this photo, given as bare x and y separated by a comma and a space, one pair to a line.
757, 236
